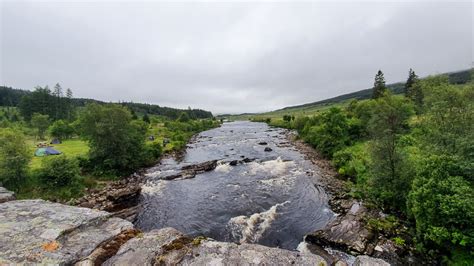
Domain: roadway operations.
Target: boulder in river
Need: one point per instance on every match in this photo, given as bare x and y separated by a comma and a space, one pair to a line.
190, 171
262, 143
268, 149
41, 232
6, 195
170, 247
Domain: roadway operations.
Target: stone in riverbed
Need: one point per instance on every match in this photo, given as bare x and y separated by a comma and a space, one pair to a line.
169, 247
6, 195
38, 231
369, 261
268, 149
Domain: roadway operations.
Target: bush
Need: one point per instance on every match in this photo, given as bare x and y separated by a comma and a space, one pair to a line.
442, 204
331, 134
59, 171
14, 158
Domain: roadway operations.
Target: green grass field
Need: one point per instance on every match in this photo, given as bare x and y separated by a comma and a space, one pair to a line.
70, 148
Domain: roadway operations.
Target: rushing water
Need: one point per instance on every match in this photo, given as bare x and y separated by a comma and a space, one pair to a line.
271, 201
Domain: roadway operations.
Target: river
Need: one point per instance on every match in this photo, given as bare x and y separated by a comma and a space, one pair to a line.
271, 200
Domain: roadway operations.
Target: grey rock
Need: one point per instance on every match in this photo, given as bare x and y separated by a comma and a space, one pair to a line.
142, 250
369, 261
6, 195
169, 247
190, 171
347, 231
38, 231
268, 149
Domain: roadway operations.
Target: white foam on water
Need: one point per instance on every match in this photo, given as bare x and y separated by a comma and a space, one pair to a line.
274, 167
223, 168
303, 248
251, 229
153, 187
283, 181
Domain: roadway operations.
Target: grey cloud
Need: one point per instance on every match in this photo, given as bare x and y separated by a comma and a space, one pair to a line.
228, 57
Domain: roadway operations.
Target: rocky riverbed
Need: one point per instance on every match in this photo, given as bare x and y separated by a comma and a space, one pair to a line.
101, 228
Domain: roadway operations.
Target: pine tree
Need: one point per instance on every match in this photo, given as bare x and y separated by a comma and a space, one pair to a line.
69, 107
58, 93
413, 90
412, 78
146, 118
379, 85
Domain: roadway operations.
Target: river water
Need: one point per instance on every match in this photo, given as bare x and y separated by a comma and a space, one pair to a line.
270, 201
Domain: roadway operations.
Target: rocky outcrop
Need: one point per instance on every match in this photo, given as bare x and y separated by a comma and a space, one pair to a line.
190, 171
38, 231
348, 232
120, 197
6, 195
169, 247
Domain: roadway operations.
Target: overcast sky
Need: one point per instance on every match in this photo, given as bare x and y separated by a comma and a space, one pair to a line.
228, 57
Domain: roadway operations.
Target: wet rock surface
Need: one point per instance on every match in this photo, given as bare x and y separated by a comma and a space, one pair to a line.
38, 231
6, 195
119, 197
169, 247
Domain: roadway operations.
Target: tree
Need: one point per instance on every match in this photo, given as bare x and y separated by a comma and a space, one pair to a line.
183, 117
146, 118
287, 118
58, 94
448, 125
39, 101
413, 90
69, 105
379, 85
61, 130
389, 184
117, 145
331, 133
14, 158
412, 79
41, 123
442, 203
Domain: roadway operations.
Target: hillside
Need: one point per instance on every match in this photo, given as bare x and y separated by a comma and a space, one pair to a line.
458, 77
12, 97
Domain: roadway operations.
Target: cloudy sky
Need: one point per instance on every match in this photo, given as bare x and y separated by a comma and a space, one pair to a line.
228, 56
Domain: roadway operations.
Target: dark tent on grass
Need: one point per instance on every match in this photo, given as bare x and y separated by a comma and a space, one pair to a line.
40, 152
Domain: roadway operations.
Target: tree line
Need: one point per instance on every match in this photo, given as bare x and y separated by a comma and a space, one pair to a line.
59, 103
411, 155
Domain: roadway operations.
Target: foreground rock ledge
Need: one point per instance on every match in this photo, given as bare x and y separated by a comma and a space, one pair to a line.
37, 231
170, 247
6, 195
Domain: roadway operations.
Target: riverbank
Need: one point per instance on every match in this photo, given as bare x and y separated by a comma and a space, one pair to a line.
358, 228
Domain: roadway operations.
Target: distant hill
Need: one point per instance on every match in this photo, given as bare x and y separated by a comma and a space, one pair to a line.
459, 77
12, 97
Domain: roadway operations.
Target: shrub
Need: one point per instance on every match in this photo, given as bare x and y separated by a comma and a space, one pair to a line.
14, 158
442, 204
59, 171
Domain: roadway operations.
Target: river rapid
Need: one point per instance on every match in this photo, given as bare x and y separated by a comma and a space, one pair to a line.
271, 200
